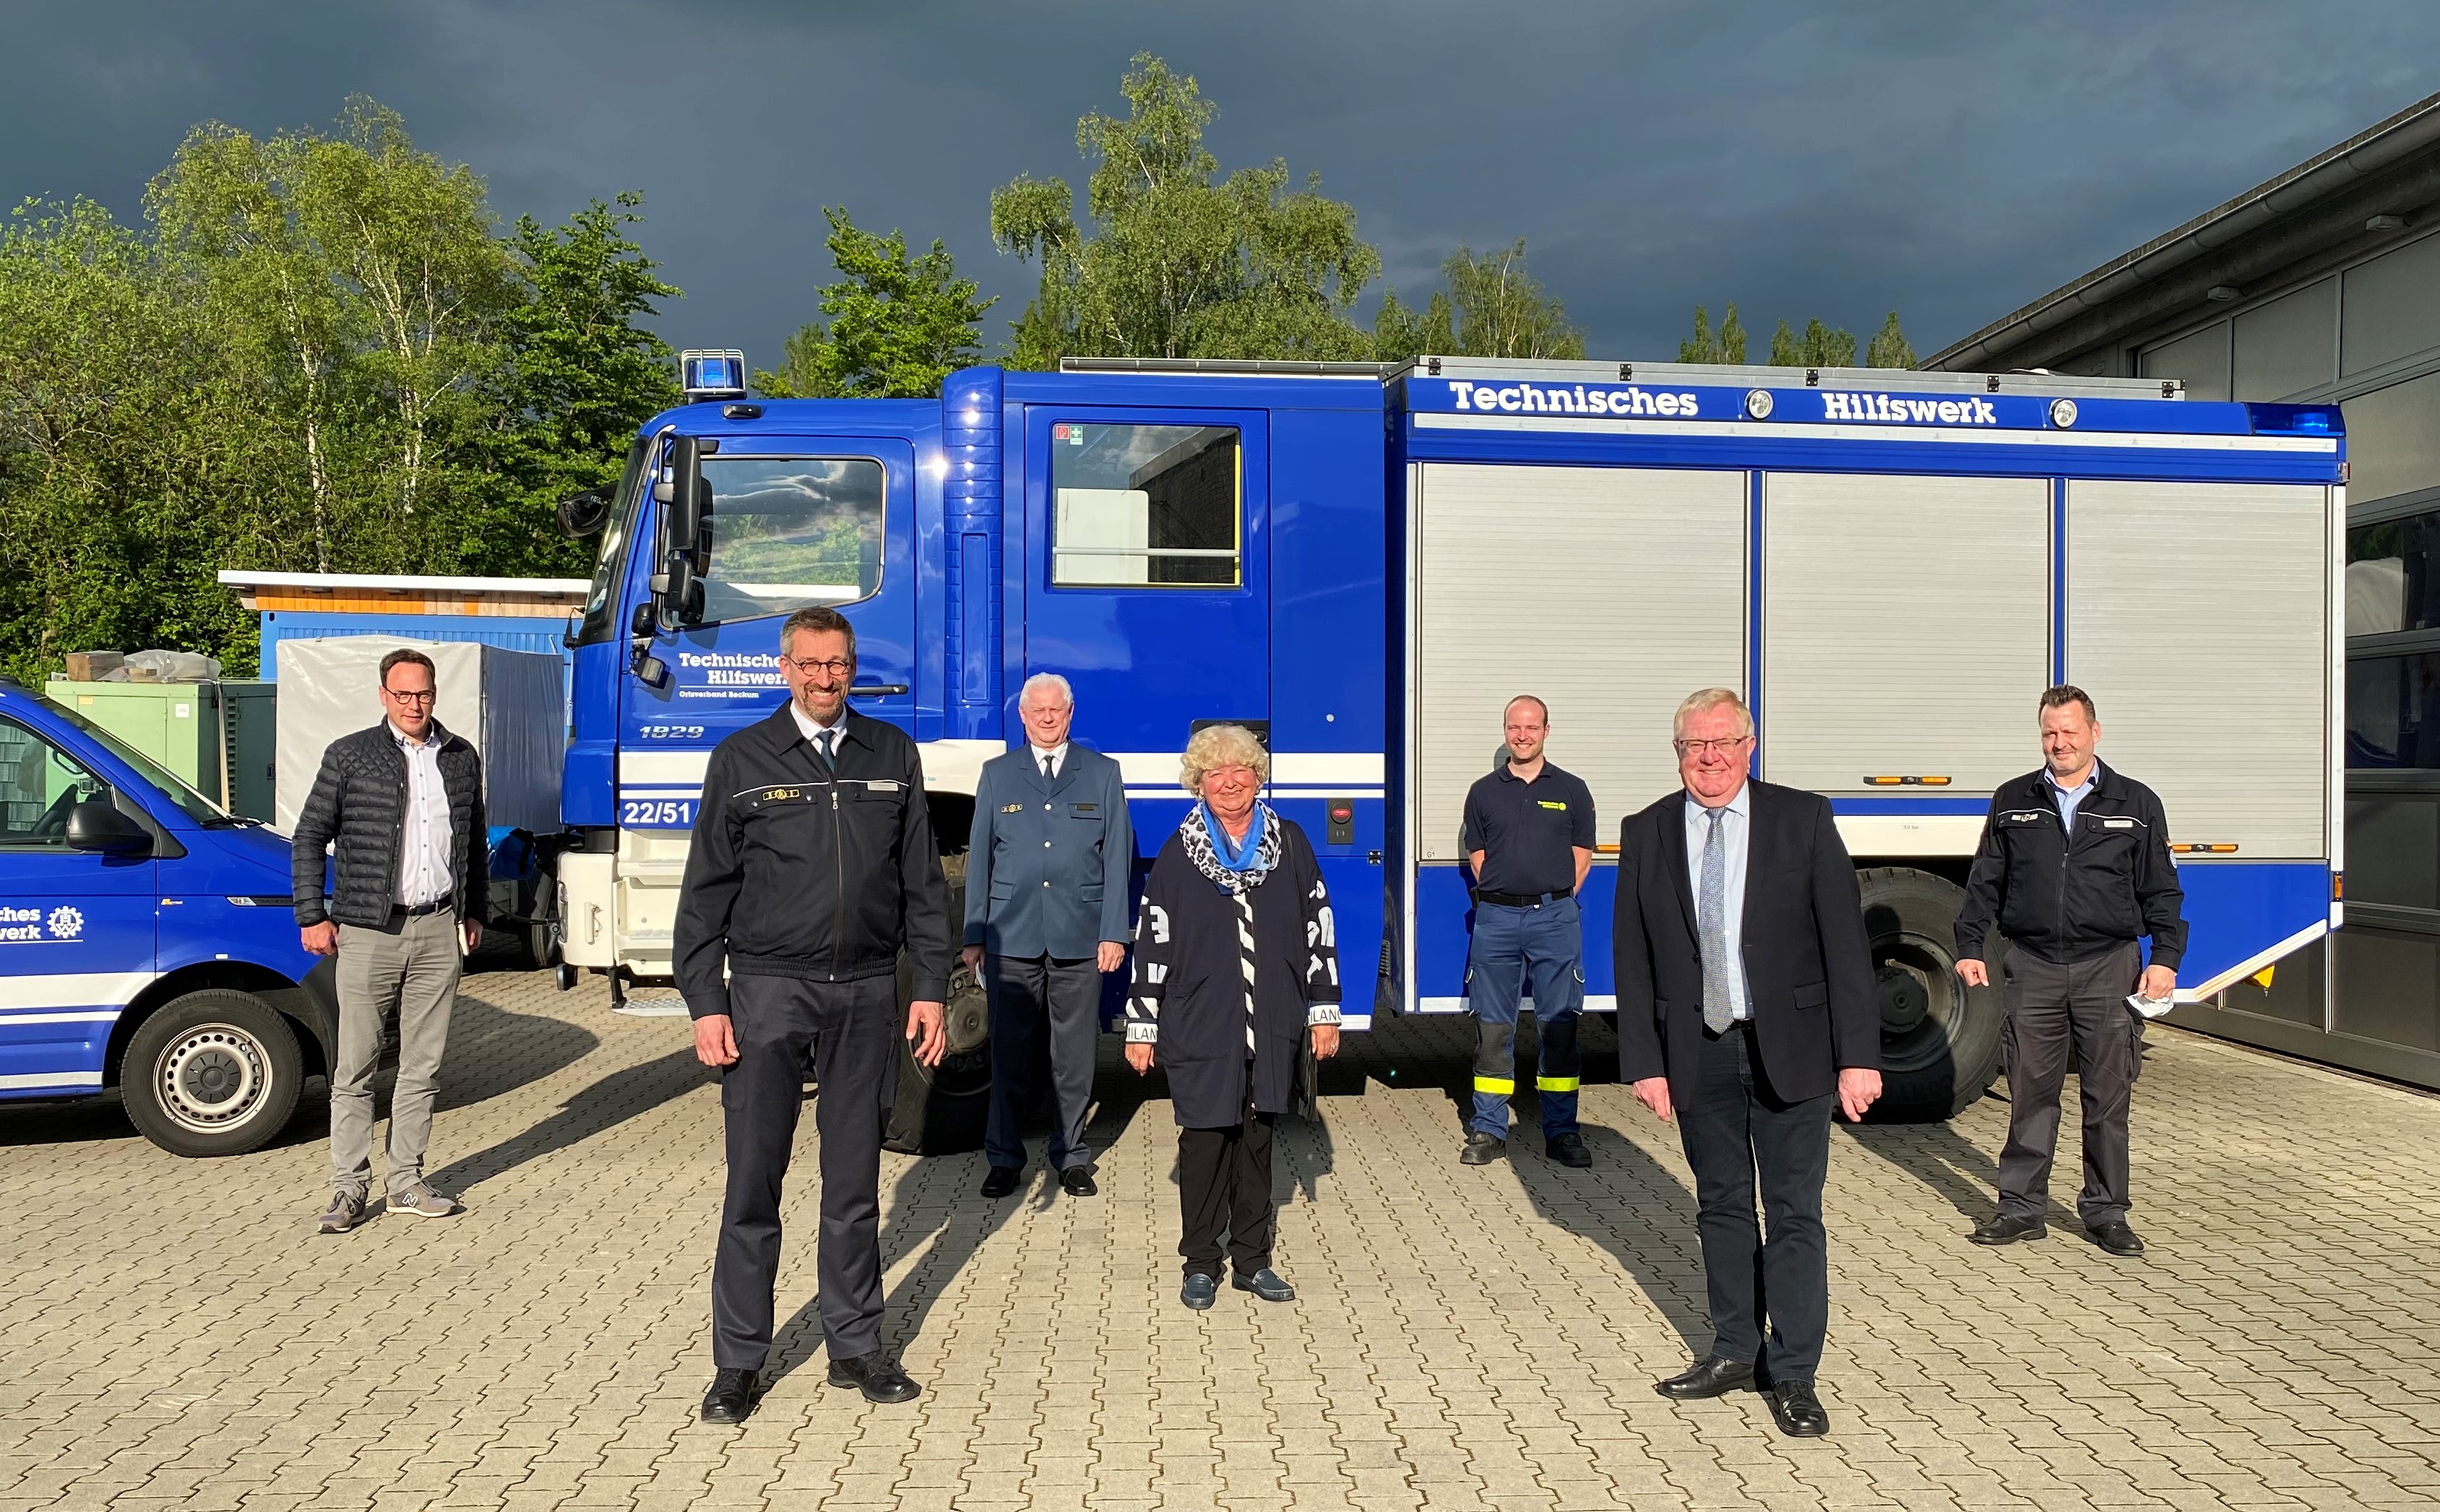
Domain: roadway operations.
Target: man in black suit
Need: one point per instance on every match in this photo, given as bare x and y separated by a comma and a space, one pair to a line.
1745, 1007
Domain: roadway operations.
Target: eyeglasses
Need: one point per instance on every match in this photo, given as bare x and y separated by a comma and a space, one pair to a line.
421, 695
1723, 746
810, 665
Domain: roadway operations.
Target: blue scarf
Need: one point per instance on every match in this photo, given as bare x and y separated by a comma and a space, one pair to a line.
1226, 851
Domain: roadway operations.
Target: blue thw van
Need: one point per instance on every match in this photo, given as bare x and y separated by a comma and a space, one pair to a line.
147, 942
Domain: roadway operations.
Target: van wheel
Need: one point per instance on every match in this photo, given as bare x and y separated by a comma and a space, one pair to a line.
1940, 1038
214, 1072
941, 1109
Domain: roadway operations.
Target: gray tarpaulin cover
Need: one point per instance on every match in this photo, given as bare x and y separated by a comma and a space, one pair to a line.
508, 704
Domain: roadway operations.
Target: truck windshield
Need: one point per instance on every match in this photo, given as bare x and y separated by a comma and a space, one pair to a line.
604, 601
195, 804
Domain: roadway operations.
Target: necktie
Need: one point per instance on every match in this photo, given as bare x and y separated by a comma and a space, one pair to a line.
1712, 922
822, 744
1048, 774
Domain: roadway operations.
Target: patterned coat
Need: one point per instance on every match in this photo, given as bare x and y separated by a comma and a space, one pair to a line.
1197, 952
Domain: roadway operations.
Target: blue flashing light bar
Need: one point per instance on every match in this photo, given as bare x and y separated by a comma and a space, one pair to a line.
2296, 419
711, 375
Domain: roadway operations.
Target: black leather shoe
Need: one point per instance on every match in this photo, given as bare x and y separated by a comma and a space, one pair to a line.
1713, 1377
1199, 1291
2116, 1237
876, 1375
731, 1398
1568, 1150
1797, 1411
1264, 1284
2006, 1230
1481, 1148
1001, 1180
1077, 1181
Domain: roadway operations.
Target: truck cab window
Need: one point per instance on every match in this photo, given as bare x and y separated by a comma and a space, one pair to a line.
38, 786
789, 532
1146, 505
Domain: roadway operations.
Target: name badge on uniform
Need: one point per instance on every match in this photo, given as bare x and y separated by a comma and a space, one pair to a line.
881, 787
2118, 824
1086, 807
1547, 804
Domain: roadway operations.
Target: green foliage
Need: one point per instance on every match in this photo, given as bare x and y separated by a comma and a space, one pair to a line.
1819, 347
579, 377
1890, 347
320, 357
1174, 263
898, 328
1488, 307
1724, 346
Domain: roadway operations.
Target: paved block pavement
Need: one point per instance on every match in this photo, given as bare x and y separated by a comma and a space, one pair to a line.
173, 1334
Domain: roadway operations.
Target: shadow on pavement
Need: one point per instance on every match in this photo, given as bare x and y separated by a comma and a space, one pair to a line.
1958, 1170
607, 1103
83, 1121
492, 1051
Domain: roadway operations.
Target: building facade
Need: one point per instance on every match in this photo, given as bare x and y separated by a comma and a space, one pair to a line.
2322, 285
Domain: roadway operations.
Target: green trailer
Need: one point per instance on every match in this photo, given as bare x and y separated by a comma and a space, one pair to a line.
219, 736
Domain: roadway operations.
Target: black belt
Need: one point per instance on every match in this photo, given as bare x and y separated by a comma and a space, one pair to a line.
1485, 894
421, 909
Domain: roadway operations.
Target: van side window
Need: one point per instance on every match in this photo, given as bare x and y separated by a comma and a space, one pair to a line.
39, 784
789, 532
1146, 505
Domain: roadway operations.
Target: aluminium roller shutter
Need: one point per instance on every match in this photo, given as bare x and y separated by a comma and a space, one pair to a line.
1609, 593
2198, 619
1906, 627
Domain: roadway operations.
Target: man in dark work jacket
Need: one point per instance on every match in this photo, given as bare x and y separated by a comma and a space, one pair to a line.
1745, 1007
812, 866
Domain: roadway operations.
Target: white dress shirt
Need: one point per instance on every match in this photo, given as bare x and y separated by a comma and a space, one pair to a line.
1734, 829
1056, 754
424, 838
806, 728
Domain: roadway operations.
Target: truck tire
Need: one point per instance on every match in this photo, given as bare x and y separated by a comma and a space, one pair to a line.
1940, 1038
941, 1109
214, 1072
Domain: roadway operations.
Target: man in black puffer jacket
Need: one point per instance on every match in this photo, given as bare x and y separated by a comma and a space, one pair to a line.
404, 801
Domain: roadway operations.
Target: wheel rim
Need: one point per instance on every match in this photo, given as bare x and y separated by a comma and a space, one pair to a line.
965, 1068
212, 1077
1919, 996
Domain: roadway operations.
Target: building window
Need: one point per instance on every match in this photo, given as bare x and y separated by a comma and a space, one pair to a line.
2288, 345
2390, 312
2394, 439
1146, 505
2393, 711
2391, 584
790, 532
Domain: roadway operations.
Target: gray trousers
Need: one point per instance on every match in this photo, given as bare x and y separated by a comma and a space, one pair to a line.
2050, 1007
1030, 997
852, 1028
411, 967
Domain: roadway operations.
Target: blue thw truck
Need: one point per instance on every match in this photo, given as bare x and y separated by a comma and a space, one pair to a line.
1365, 565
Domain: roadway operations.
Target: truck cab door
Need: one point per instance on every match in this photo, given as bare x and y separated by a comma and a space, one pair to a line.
1147, 574
796, 521
77, 930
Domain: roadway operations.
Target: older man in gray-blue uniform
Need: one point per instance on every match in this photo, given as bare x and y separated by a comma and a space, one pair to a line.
1046, 876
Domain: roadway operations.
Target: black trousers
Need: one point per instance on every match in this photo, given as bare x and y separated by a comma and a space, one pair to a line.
1030, 997
1224, 1184
2049, 1006
1740, 1135
853, 1029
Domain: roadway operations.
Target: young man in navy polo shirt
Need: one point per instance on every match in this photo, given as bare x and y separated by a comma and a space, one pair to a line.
1529, 837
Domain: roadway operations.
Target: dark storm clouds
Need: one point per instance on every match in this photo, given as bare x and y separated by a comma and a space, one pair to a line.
1951, 161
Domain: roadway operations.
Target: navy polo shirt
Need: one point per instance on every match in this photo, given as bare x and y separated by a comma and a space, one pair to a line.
1529, 832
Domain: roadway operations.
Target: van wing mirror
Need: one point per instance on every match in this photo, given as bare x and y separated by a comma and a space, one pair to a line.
96, 824
689, 504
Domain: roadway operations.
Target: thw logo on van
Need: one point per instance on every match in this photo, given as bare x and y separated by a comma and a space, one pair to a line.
1886, 409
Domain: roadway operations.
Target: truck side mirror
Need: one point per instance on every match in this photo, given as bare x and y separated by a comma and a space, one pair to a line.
96, 825
688, 518
584, 514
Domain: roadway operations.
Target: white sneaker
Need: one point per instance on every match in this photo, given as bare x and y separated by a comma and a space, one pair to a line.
418, 1200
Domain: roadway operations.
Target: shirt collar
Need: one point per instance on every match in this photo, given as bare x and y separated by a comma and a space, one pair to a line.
431, 734
805, 726
1741, 805
1056, 752
2090, 780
